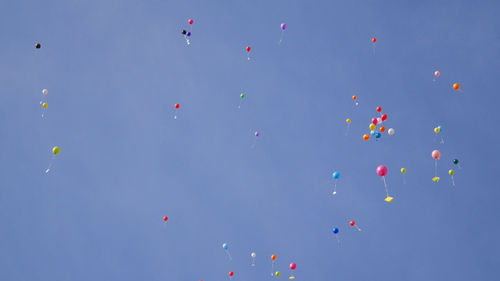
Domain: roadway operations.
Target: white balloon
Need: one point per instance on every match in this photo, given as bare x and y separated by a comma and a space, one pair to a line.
253, 255
44, 91
390, 131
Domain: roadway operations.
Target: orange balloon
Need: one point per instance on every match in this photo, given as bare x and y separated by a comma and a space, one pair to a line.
273, 257
354, 97
382, 129
366, 137
456, 86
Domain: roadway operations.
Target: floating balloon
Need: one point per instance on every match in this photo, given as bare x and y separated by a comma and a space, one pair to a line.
335, 231
242, 97
165, 218
451, 173
436, 130
378, 135
190, 21
374, 40
225, 246
45, 92
456, 86
293, 266
231, 274
176, 110
382, 129
335, 176
456, 162
353, 223
437, 73
383, 117
283, 27
372, 133
436, 155
278, 273
374, 121
253, 255
55, 150
184, 32
382, 172
372, 126
44, 105
379, 109
403, 172
348, 121
390, 131
38, 45
188, 34
379, 120
366, 137
248, 48
273, 258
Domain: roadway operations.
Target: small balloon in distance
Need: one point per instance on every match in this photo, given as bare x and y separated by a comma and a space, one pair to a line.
165, 218
436, 154
456, 86
374, 40
177, 106
437, 73
45, 105
273, 257
38, 45
56, 150
248, 48
366, 137
190, 21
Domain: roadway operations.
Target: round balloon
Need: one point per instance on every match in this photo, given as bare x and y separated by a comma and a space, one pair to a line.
165, 218
45, 91
336, 175
436, 154
378, 135
283, 26
390, 131
374, 121
455, 161
374, 40
273, 257
177, 105
372, 126
293, 266
190, 21
248, 48
436, 130
231, 273
225, 246
382, 170
451, 172
382, 129
352, 223
437, 73
256, 134
45, 105
383, 117
56, 150
354, 97
278, 273
38, 45
366, 137
456, 86
379, 109
335, 230
242, 95
253, 255
403, 170
348, 120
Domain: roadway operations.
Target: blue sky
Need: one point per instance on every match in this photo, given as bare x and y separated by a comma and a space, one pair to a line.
114, 70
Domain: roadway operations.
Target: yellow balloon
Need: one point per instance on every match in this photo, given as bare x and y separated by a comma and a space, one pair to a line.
56, 150
451, 172
278, 273
291, 277
372, 126
435, 179
348, 120
403, 170
436, 130
45, 105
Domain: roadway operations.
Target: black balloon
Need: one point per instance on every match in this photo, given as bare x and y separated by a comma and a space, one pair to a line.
184, 32
38, 46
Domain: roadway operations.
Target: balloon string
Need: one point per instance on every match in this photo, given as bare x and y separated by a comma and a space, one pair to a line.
239, 105
254, 143
43, 112
347, 130
253, 262
442, 140
385, 185
50, 164
176, 111
404, 179
335, 188
272, 268
459, 166
436, 168
229, 255
338, 240
453, 180
357, 227
281, 37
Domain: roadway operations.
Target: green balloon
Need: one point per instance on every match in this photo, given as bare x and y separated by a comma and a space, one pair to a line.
455, 161
242, 96
56, 150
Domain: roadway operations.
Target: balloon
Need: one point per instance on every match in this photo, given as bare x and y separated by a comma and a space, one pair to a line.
379, 120
378, 135
382, 170
352, 223
403, 170
45, 105
291, 277
348, 121
231, 273
382, 129
435, 179
184, 32
254, 255
283, 26
354, 97
456, 86
451, 172
273, 257
374, 121
336, 175
248, 48
293, 266
440, 128
242, 95
335, 230
436, 130
190, 21
188, 34
56, 150
278, 273
366, 137
38, 45
372, 133
372, 126
225, 246
390, 131
379, 109
374, 40
257, 134
165, 218
455, 161
383, 117
177, 105
45, 91
437, 73
436, 154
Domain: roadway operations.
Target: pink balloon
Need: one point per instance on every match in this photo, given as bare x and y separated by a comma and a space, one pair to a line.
374, 121
379, 120
293, 266
436, 154
190, 21
437, 73
382, 170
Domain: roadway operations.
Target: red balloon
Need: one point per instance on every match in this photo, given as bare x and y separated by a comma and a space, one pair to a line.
248, 48
165, 218
231, 273
177, 105
352, 223
374, 39
384, 117
379, 108
190, 21
374, 121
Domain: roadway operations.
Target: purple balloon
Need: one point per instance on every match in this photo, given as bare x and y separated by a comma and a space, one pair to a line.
283, 26
257, 134
188, 34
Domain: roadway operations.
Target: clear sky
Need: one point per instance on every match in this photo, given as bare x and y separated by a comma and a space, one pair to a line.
114, 70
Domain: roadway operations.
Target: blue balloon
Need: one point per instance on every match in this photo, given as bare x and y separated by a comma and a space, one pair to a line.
335, 230
336, 175
225, 246
372, 133
378, 135
440, 128
188, 34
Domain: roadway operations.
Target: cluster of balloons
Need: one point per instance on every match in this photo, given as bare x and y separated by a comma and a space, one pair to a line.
437, 130
43, 101
55, 150
186, 33
374, 123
